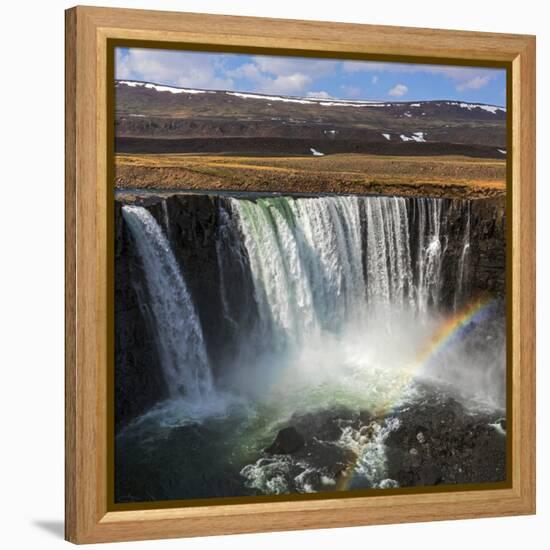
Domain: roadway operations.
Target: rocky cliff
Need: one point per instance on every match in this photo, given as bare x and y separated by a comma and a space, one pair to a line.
484, 270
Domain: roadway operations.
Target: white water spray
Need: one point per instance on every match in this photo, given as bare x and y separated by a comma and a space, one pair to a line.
179, 333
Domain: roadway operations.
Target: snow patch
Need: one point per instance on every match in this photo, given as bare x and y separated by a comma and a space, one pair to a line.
161, 88
350, 104
316, 153
416, 136
471, 106
272, 98
387, 136
502, 151
309, 100
494, 109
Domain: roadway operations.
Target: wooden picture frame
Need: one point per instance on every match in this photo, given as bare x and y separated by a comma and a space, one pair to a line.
90, 33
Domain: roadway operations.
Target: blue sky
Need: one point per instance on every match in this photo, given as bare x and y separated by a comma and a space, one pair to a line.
312, 77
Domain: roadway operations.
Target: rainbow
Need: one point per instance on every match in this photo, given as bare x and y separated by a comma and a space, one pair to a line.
452, 330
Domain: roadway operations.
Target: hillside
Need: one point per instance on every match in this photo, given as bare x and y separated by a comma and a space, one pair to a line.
152, 118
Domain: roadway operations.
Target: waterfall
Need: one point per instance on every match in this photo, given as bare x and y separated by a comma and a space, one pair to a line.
178, 331
319, 263
388, 254
351, 320
224, 241
296, 274
306, 262
463, 265
430, 253
281, 288
166, 218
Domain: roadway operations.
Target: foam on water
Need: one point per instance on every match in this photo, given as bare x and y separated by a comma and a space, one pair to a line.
368, 445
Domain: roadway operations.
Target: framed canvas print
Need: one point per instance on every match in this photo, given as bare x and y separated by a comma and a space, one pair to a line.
299, 273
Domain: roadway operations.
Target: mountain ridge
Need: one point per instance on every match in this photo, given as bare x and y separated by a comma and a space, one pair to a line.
152, 117
308, 98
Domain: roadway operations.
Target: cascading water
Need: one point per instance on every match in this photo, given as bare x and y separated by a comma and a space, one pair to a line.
325, 305
305, 262
388, 263
428, 212
463, 265
179, 334
318, 263
318, 266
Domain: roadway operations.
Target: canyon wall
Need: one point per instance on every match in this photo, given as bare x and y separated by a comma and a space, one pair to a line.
214, 265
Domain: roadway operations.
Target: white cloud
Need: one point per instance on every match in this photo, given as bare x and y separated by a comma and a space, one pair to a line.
264, 74
465, 78
473, 84
260, 81
320, 95
283, 75
185, 69
398, 90
290, 84
277, 75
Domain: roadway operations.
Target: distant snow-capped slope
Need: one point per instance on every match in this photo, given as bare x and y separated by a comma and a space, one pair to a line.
152, 111
310, 100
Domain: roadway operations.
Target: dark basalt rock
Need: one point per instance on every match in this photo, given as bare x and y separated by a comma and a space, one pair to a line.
288, 441
440, 442
330, 459
485, 220
323, 425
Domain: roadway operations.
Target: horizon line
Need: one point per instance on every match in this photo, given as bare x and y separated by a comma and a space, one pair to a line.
308, 98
